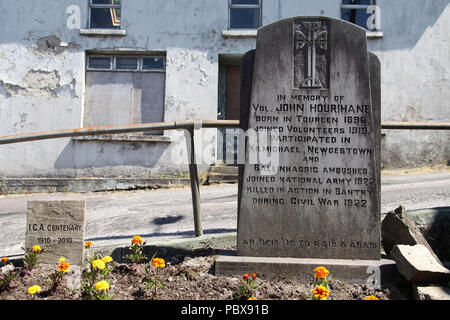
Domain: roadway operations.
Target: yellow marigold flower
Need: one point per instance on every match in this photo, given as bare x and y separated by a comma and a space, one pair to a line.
34, 289
88, 244
107, 259
62, 259
158, 262
64, 266
252, 298
5, 259
321, 272
98, 264
102, 285
36, 248
137, 240
321, 292
371, 298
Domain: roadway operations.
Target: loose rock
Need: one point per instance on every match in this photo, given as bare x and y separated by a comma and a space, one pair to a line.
431, 293
398, 228
417, 264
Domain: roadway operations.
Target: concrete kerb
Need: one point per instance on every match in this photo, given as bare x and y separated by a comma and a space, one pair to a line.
174, 247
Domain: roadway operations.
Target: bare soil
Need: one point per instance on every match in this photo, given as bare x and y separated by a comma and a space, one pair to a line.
189, 278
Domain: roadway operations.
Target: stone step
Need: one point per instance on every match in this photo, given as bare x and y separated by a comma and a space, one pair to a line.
226, 170
351, 271
222, 178
223, 174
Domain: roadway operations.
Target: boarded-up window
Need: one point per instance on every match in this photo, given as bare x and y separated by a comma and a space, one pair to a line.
117, 96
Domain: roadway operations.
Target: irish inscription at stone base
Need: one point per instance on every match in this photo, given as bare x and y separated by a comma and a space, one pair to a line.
370, 272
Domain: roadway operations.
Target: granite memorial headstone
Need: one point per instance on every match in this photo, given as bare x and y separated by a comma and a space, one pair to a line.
312, 89
311, 93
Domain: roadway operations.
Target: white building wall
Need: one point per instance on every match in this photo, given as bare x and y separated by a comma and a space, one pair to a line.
415, 79
42, 88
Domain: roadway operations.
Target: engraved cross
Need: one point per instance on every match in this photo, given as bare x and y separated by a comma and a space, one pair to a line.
315, 37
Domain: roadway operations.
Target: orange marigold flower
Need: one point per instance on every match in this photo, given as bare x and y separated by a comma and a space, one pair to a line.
245, 276
252, 298
158, 262
88, 244
371, 298
64, 266
254, 275
321, 292
321, 272
137, 240
5, 259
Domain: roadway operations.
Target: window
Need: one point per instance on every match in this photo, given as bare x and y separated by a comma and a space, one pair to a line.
124, 89
245, 14
152, 63
104, 14
126, 63
363, 13
99, 63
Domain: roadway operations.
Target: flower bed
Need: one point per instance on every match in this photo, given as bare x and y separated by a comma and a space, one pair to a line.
171, 278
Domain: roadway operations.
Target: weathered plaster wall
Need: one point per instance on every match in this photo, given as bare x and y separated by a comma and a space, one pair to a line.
42, 74
42, 81
41, 88
415, 79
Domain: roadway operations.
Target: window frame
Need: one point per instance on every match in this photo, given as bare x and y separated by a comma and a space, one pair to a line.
358, 7
245, 6
113, 64
141, 63
114, 67
105, 6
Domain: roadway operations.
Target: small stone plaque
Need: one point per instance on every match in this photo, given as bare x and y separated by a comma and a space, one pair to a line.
58, 228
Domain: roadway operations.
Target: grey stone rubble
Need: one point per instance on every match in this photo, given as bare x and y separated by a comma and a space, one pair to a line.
431, 292
417, 264
434, 224
398, 228
429, 280
415, 259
